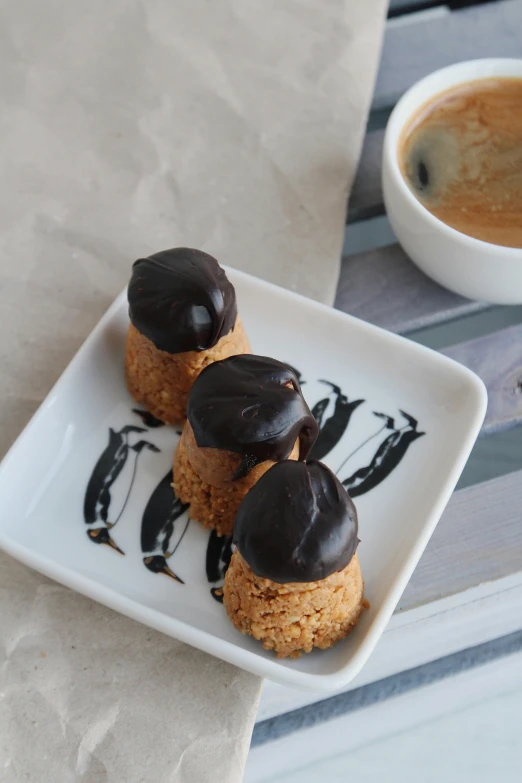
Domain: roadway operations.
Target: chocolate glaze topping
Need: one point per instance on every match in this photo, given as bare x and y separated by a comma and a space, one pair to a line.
297, 524
251, 405
181, 299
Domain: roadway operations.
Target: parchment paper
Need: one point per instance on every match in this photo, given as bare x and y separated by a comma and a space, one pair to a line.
127, 127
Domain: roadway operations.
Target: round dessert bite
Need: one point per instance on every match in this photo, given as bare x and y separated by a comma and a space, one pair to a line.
183, 316
294, 581
245, 413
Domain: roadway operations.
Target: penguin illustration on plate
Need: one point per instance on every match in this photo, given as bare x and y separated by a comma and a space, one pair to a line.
333, 414
219, 554
148, 419
158, 528
97, 501
388, 455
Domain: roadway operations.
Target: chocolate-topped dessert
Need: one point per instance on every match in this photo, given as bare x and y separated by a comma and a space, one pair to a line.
183, 314
245, 413
295, 582
298, 525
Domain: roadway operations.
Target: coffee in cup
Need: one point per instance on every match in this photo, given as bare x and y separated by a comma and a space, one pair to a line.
461, 156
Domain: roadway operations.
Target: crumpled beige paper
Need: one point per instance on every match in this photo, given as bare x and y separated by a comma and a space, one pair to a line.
88, 695
127, 127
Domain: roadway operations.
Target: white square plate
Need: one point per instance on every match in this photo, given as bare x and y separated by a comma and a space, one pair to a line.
413, 418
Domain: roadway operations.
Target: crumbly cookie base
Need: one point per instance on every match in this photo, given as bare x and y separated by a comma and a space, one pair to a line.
295, 617
162, 381
214, 507
218, 467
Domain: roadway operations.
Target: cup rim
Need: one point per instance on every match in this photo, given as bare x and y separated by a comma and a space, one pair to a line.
422, 92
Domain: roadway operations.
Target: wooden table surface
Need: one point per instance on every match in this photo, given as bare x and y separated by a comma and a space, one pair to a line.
476, 549
480, 535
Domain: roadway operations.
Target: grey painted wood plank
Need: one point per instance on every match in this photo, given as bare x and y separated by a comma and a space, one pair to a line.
497, 359
478, 539
366, 197
494, 456
384, 287
414, 50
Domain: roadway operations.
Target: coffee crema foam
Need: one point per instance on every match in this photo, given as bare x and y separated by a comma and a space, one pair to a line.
461, 156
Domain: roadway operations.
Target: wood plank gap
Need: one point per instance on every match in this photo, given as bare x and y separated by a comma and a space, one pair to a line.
497, 359
366, 200
400, 8
384, 287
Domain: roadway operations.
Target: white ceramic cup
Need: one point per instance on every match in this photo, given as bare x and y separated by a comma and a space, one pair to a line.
470, 267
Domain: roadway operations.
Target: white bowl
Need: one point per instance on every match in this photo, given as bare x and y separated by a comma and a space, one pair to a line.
468, 266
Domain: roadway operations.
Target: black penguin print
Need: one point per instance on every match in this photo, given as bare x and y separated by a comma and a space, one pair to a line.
148, 419
333, 426
158, 525
387, 456
97, 500
219, 554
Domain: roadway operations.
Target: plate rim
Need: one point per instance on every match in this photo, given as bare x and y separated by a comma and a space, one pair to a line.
205, 640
